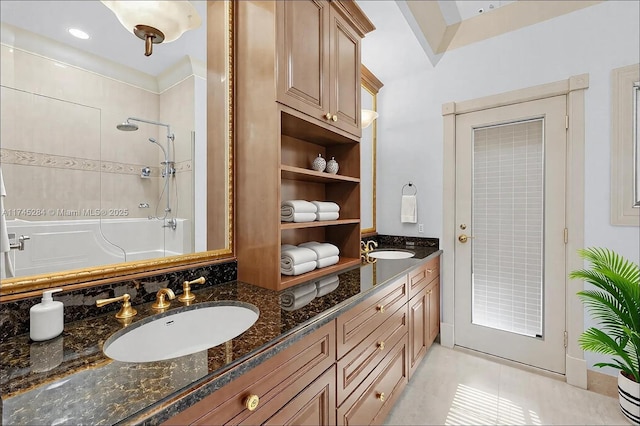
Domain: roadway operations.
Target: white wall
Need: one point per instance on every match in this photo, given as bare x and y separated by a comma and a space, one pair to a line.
594, 40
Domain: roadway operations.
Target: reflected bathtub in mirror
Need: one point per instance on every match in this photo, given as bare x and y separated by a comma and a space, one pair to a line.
65, 164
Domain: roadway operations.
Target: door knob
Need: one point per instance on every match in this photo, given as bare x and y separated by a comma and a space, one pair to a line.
463, 238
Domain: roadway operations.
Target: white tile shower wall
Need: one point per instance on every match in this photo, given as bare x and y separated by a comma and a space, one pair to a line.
410, 122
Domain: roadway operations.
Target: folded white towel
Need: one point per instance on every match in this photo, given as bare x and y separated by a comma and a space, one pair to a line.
321, 249
298, 206
301, 268
327, 285
296, 256
286, 246
298, 217
327, 215
409, 209
327, 261
292, 301
326, 206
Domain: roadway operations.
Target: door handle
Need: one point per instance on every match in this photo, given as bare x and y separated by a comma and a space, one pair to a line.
464, 238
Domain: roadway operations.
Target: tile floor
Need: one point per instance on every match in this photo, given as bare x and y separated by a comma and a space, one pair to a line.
452, 387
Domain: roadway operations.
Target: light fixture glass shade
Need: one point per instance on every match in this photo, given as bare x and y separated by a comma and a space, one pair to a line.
367, 117
172, 18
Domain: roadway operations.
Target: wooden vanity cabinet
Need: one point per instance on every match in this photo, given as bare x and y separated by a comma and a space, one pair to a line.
424, 312
301, 375
319, 60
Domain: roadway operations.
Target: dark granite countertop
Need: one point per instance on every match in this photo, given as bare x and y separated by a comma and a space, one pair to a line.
69, 380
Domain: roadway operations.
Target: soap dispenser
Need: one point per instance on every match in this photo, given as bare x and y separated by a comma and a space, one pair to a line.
46, 319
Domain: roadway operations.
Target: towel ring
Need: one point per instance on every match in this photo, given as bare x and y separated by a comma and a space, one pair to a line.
410, 185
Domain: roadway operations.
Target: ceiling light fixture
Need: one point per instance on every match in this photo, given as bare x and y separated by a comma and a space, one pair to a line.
367, 117
155, 21
78, 33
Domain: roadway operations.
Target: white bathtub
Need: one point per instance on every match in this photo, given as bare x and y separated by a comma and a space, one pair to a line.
71, 244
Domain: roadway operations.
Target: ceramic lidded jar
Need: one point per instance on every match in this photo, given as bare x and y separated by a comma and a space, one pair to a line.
319, 164
332, 166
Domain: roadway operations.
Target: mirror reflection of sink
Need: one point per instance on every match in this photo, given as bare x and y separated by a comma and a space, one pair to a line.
391, 254
181, 332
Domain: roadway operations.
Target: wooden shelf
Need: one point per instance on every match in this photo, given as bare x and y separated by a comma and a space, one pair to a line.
343, 263
298, 173
316, 224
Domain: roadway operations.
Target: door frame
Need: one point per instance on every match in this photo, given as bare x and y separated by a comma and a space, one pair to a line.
574, 88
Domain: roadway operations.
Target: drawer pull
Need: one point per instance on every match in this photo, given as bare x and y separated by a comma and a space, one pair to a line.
251, 402
334, 118
328, 116
381, 346
380, 308
380, 396
429, 271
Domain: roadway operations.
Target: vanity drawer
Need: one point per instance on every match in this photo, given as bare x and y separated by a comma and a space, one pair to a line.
359, 322
423, 275
354, 367
275, 381
372, 401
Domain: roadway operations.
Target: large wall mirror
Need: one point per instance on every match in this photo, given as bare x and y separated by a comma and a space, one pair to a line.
369, 93
113, 163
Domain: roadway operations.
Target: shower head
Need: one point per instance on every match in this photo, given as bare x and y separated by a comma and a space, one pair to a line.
127, 127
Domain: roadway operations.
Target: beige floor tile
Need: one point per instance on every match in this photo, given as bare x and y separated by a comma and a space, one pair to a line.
451, 387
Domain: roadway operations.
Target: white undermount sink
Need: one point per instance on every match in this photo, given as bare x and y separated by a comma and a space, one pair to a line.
391, 254
182, 332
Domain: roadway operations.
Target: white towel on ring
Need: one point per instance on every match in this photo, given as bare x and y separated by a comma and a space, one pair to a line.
327, 215
409, 209
321, 249
327, 261
326, 206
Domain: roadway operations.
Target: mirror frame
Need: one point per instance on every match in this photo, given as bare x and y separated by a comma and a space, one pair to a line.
371, 84
88, 277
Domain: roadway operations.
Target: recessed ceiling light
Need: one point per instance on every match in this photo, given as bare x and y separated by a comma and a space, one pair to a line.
78, 33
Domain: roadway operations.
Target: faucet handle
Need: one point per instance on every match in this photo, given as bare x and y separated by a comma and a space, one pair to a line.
187, 296
161, 304
126, 311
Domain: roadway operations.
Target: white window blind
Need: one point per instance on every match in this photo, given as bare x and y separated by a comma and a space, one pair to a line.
507, 219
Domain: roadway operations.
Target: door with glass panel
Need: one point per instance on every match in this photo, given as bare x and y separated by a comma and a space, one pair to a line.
510, 228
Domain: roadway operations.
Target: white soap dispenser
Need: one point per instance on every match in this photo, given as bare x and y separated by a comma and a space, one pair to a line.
46, 319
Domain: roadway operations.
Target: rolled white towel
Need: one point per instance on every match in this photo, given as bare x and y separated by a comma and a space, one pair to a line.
296, 256
322, 249
327, 216
327, 285
298, 269
290, 302
326, 206
299, 217
290, 207
327, 261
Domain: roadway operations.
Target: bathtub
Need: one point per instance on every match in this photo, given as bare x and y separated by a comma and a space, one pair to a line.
72, 244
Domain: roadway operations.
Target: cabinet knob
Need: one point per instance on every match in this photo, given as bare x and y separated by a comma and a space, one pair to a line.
328, 116
380, 308
251, 402
381, 345
380, 396
429, 271
334, 118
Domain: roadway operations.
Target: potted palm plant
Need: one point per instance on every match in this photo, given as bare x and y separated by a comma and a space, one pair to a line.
615, 304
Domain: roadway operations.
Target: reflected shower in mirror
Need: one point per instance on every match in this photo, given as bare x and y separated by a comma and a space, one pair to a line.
85, 193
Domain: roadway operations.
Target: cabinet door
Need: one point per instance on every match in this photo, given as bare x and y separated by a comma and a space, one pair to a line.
418, 329
433, 293
316, 405
345, 75
303, 56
